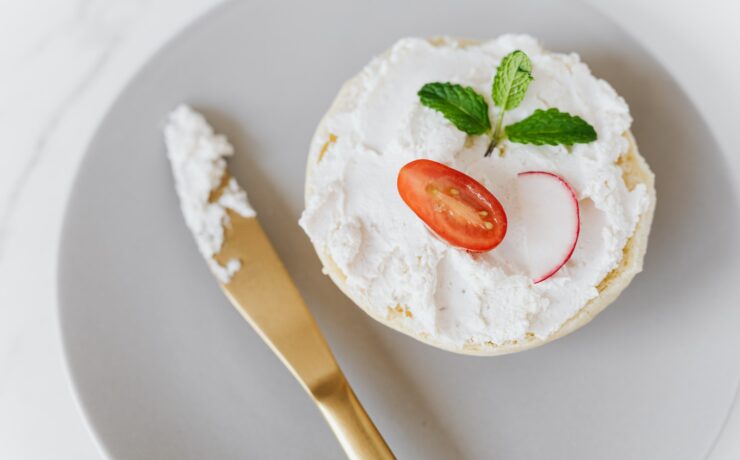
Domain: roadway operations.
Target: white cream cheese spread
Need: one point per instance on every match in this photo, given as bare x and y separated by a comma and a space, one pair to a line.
355, 215
197, 156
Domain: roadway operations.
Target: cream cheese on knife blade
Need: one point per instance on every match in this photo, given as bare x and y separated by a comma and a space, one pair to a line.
198, 159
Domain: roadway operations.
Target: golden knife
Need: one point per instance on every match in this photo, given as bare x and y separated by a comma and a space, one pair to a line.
262, 291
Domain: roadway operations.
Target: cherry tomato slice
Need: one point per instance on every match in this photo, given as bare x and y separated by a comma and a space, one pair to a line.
454, 206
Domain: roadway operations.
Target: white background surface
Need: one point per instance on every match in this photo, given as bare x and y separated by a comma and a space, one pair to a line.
62, 62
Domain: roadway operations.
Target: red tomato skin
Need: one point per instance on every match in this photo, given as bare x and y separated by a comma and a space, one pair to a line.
426, 187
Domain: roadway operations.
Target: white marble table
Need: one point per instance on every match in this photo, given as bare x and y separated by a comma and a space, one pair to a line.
62, 62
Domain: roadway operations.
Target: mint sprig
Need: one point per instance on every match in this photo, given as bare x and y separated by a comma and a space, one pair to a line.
468, 110
509, 87
551, 127
461, 105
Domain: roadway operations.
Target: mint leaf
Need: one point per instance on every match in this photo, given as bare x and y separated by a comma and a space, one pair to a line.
512, 80
509, 87
551, 127
461, 105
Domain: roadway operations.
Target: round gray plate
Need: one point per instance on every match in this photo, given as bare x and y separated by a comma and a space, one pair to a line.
166, 369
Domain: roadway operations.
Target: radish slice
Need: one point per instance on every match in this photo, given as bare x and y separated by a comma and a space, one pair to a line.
551, 220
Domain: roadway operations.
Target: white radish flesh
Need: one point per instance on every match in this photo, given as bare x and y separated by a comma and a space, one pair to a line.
551, 220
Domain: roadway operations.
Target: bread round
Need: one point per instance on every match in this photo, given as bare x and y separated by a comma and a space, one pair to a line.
635, 170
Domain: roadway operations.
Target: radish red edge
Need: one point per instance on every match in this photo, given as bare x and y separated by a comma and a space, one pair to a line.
578, 222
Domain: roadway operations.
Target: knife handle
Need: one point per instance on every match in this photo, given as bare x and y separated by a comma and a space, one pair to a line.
352, 426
